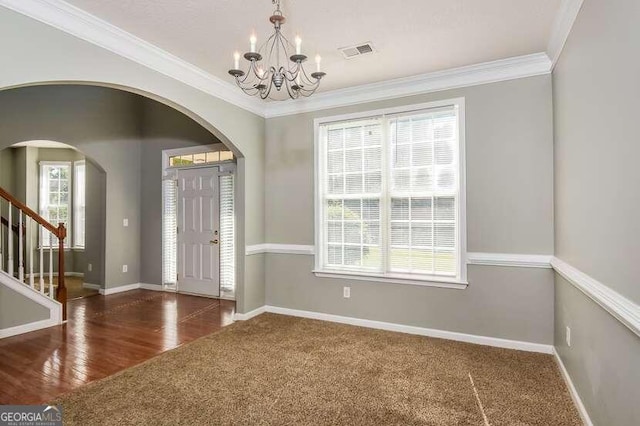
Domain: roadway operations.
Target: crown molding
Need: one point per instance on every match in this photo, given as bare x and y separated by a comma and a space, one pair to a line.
488, 72
566, 17
77, 22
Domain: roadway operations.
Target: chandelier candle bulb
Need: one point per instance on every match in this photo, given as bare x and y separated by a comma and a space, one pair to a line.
318, 60
253, 39
236, 61
298, 45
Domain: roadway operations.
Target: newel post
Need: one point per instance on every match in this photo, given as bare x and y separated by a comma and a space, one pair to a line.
61, 294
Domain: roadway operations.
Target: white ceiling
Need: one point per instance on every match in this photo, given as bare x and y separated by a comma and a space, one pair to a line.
415, 37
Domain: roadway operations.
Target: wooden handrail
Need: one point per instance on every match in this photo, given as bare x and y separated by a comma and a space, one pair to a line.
33, 215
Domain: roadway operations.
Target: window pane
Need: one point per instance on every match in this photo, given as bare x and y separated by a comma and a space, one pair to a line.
445, 208
353, 184
335, 162
353, 137
226, 155
421, 208
334, 232
353, 160
371, 233
334, 209
399, 209
335, 139
421, 181
202, 158
352, 256
373, 182
421, 235
371, 209
352, 210
400, 234
334, 255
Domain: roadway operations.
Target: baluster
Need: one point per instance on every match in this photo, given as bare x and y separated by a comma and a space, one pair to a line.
10, 242
20, 248
1, 241
41, 248
30, 251
50, 268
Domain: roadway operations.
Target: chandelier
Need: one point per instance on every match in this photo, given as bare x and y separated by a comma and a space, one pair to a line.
271, 67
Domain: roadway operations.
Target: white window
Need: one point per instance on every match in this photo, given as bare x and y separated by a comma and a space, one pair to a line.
390, 195
55, 197
79, 203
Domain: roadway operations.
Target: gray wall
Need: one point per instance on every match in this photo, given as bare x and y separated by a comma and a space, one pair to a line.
509, 210
103, 124
15, 309
596, 92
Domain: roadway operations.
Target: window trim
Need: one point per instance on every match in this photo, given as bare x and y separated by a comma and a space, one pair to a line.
459, 281
69, 225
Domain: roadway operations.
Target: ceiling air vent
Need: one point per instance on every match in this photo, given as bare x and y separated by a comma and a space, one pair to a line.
358, 50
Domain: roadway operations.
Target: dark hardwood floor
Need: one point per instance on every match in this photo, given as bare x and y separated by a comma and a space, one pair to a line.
104, 334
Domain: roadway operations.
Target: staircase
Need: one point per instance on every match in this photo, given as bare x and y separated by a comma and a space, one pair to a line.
20, 230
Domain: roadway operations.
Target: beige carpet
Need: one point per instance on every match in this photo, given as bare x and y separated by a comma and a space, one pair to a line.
279, 370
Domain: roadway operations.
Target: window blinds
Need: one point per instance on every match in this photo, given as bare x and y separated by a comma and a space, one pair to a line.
169, 234
389, 194
227, 235
79, 204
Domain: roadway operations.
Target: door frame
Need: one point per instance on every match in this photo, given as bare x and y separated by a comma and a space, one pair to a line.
170, 173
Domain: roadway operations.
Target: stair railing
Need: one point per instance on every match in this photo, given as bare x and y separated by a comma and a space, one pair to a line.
30, 228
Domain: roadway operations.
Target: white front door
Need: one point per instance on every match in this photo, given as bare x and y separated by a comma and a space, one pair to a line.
198, 231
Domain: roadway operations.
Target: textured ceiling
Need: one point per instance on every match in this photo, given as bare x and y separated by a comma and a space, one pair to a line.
411, 36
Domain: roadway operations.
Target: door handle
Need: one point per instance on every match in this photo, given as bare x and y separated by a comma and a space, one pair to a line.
213, 242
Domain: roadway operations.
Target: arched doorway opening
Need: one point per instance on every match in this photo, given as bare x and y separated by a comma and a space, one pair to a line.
62, 185
125, 132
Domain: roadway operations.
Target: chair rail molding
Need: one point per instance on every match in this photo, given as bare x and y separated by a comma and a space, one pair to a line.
514, 260
280, 249
623, 309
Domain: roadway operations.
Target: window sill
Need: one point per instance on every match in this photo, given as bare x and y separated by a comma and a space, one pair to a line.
442, 282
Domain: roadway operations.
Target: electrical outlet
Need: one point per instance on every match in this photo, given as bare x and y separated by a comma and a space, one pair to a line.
90, 267
125, 268
125, 222
346, 292
568, 336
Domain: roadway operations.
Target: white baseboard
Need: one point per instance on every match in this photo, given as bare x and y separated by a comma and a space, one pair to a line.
119, 289
129, 287
152, 287
91, 286
572, 390
409, 329
251, 314
55, 274
26, 328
